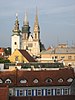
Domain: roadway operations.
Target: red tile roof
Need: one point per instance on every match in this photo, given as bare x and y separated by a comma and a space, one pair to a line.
43, 75
27, 55
8, 75
3, 93
1, 50
69, 97
18, 75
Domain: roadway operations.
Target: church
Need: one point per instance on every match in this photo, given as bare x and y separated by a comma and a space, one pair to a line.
23, 39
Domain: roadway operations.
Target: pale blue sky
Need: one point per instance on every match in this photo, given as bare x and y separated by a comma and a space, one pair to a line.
56, 19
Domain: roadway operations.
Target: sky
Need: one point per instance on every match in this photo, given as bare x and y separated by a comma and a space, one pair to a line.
56, 20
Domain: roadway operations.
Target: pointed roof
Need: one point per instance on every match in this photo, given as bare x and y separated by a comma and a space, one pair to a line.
16, 25
36, 23
36, 18
26, 22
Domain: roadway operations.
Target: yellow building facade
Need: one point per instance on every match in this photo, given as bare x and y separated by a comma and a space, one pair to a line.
21, 56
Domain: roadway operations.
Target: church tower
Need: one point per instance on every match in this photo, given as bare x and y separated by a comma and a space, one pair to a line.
36, 36
36, 30
16, 37
25, 32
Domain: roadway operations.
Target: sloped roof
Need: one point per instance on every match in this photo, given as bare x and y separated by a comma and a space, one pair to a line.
66, 50
8, 75
59, 50
27, 55
1, 50
41, 75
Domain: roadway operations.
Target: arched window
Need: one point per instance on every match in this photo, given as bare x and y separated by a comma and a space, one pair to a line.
69, 79
8, 81
23, 81
48, 80
35, 80
60, 80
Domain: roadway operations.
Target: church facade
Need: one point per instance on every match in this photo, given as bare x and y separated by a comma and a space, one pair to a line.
23, 39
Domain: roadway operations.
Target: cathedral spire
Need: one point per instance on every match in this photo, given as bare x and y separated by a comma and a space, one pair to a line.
26, 22
36, 19
36, 27
16, 25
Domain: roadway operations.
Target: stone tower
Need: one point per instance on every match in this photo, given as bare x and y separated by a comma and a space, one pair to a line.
16, 37
36, 36
25, 32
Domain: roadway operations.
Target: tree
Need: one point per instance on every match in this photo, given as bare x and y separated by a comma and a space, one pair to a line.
2, 60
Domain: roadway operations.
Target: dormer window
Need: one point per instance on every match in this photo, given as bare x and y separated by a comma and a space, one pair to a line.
48, 80
69, 79
1, 81
35, 80
60, 80
23, 81
8, 81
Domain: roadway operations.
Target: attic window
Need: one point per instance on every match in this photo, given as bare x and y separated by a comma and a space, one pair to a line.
16, 58
60, 80
70, 80
1, 81
35, 80
23, 81
8, 81
48, 80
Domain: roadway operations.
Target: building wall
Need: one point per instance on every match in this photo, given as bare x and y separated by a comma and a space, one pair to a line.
67, 58
17, 57
40, 91
15, 42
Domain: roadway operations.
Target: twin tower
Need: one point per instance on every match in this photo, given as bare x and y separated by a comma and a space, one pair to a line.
24, 39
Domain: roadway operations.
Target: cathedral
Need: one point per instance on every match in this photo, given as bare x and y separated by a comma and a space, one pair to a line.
24, 39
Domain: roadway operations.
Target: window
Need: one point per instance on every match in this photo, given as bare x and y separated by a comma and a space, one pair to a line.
35, 81
23, 81
1, 81
20, 92
39, 93
8, 81
49, 92
56, 57
29, 92
62, 57
58, 91
16, 58
60, 80
70, 80
15, 43
69, 57
10, 92
53, 58
30, 45
35, 36
48, 80
65, 91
